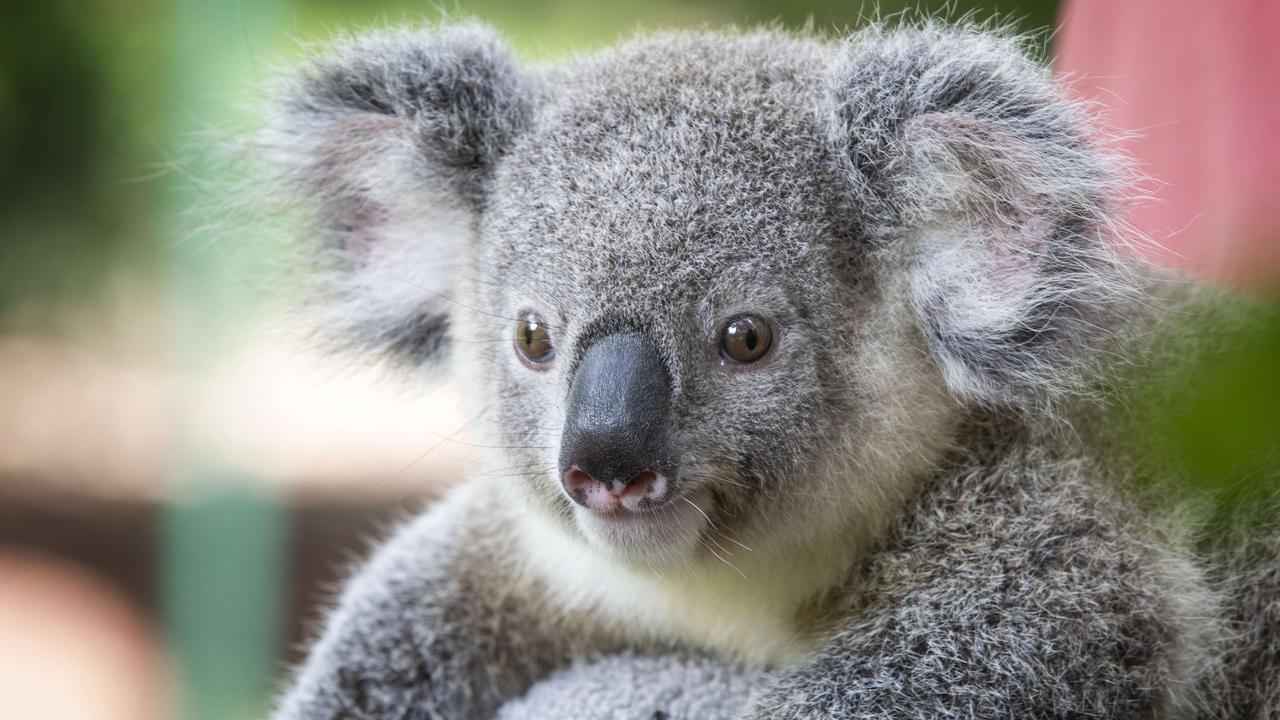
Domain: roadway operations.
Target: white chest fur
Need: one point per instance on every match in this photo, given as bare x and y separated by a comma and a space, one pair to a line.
747, 610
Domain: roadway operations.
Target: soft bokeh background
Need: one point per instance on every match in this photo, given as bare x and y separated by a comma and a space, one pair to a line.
180, 482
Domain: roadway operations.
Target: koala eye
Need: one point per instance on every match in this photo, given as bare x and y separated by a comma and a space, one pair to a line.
533, 341
745, 339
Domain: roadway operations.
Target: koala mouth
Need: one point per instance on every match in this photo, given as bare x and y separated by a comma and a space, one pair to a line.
646, 529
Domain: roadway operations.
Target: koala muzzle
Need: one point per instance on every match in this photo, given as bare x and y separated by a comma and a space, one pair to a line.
616, 451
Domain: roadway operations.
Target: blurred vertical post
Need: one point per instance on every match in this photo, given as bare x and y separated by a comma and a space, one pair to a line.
223, 534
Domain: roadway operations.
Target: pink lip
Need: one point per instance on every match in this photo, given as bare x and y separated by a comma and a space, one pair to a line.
631, 498
645, 491
673, 525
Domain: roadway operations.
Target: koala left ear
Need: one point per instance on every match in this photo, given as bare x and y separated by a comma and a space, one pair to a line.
980, 178
388, 143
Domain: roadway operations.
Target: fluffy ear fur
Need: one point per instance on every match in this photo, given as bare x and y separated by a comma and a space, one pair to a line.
388, 142
964, 153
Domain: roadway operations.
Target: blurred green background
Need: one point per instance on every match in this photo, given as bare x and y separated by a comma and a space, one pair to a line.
111, 119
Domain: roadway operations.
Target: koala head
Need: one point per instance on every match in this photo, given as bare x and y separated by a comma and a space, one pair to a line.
709, 287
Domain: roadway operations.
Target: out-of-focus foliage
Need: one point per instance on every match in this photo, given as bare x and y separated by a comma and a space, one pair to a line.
79, 91
1201, 413
551, 28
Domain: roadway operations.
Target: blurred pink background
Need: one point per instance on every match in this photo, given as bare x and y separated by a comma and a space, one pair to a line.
1194, 86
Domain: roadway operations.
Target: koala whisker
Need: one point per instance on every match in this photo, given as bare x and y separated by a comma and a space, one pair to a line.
733, 540
701, 512
725, 511
724, 531
735, 483
686, 561
484, 341
460, 304
510, 472
722, 559
451, 439
495, 447
478, 417
723, 549
544, 428
507, 285
395, 473
517, 470
711, 523
653, 569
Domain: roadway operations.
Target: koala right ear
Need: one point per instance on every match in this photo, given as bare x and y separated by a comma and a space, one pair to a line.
985, 180
388, 143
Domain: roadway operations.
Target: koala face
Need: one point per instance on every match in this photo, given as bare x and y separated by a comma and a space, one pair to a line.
708, 288
674, 234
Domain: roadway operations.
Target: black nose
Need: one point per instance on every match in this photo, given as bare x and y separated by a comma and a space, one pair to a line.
618, 424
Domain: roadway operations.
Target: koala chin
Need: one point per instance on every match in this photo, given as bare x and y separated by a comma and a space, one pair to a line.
778, 346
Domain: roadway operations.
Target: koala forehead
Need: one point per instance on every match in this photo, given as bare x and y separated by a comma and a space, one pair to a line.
682, 165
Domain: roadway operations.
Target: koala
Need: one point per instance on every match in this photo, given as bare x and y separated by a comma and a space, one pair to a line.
773, 341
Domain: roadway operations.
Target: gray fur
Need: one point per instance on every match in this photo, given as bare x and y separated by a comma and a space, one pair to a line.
437, 625
955, 128
892, 520
391, 142
639, 687
1016, 588
1249, 682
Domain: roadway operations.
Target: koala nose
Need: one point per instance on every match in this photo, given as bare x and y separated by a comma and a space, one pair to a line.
616, 451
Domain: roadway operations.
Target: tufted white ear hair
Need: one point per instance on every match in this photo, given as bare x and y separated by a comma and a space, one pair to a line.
971, 163
388, 143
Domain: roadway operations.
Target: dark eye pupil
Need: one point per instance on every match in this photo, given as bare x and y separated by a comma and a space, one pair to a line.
532, 341
745, 340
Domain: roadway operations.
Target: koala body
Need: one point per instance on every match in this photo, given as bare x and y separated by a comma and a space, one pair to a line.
772, 343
